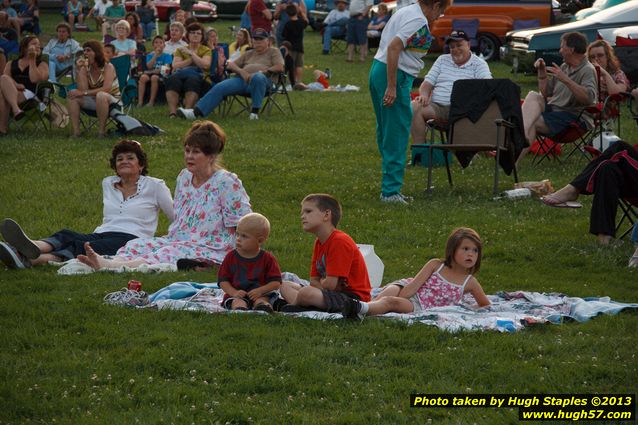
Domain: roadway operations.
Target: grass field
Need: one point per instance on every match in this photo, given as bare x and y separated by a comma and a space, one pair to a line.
65, 357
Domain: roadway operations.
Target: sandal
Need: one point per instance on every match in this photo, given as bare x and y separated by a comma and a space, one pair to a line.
19, 115
633, 261
551, 201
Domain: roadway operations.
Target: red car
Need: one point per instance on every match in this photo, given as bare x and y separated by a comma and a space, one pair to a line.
202, 10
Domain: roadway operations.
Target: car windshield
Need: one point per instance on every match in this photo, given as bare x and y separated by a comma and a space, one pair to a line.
624, 12
604, 4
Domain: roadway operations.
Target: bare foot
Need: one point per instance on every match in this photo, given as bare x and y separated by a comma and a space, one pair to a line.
565, 194
604, 239
92, 259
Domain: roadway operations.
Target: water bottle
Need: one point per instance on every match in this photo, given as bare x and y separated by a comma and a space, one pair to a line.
515, 194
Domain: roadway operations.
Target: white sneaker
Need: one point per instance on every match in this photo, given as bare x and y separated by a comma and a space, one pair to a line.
397, 198
187, 114
253, 116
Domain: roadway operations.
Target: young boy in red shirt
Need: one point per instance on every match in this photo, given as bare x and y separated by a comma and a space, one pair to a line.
338, 271
249, 275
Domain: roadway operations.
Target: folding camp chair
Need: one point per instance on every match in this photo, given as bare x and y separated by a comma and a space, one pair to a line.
277, 89
490, 132
628, 206
37, 109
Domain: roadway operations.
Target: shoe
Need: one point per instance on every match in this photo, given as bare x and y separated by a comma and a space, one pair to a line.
264, 307
352, 310
19, 116
397, 198
12, 258
187, 114
633, 261
253, 116
15, 236
292, 308
325, 52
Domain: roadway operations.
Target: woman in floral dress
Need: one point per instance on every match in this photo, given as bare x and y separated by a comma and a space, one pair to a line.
209, 201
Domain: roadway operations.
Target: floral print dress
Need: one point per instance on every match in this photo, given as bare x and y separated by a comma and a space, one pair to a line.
205, 221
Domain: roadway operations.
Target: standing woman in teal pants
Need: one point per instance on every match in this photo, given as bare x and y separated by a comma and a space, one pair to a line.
405, 39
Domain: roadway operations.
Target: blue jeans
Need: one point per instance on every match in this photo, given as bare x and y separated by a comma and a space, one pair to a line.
332, 31
148, 29
56, 66
256, 88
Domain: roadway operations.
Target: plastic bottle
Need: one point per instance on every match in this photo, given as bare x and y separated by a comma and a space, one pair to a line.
515, 194
373, 264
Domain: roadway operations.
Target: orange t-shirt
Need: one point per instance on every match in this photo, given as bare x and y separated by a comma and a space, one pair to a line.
339, 256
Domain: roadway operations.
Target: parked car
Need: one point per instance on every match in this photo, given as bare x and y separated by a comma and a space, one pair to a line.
522, 48
496, 18
202, 10
595, 8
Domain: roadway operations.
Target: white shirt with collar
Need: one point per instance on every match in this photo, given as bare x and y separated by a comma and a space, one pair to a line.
138, 214
336, 15
445, 72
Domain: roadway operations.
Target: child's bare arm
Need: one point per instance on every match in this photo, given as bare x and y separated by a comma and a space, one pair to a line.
253, 294
421, 277
315, 281
330, 283
231, 291
474, 288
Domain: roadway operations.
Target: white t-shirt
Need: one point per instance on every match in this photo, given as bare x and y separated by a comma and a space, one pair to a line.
138, 214
170, 46
445, 72
100, 7
410, 25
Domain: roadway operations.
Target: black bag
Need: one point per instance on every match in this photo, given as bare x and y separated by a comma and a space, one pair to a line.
127, 125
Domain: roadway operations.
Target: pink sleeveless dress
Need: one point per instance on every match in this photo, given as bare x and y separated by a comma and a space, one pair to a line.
438, 292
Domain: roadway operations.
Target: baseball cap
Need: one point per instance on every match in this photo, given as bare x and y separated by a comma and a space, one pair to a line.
260, 33
457, 35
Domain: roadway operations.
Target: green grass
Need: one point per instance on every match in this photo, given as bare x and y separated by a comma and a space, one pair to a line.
67, 358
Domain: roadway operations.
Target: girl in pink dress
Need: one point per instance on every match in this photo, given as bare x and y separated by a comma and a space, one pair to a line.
439, 283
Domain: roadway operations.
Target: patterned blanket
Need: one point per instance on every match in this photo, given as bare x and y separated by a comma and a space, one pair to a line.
509, 312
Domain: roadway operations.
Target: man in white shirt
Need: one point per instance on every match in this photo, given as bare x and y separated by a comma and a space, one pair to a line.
357, 28
98, 10
435, 91
335, 24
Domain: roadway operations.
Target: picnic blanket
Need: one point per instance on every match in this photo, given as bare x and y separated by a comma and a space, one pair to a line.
74, 266
509, 312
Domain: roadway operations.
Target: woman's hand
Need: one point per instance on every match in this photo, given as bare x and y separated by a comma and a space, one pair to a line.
75, 94
20, 87
390, 96
32, 52
422, 100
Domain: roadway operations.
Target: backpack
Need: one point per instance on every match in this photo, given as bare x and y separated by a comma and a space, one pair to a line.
127, 125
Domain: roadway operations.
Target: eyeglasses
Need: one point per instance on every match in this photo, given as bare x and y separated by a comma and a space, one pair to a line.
597, 55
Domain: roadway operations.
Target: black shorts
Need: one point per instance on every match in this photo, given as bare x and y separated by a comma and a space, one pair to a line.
184, 83
336, 301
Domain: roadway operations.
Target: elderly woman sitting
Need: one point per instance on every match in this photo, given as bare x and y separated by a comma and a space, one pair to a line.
131, 199
209, 201
20, 79
190, 69
123, 44
97, 87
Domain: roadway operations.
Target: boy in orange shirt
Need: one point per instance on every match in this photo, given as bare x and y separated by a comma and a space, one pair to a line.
338, 271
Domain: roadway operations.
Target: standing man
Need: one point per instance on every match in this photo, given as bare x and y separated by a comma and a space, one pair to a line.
357, 28
260, 15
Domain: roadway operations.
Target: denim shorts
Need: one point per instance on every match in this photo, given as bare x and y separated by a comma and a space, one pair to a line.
558, 121
356, 31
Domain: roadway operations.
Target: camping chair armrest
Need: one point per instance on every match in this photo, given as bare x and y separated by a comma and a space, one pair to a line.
503, 122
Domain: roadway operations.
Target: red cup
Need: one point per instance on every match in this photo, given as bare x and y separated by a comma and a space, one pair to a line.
134, 285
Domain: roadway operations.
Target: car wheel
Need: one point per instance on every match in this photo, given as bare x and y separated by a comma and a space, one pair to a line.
488, 46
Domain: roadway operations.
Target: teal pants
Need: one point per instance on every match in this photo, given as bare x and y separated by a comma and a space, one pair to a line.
393, 125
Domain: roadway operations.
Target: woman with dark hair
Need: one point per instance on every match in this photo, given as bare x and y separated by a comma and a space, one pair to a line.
209, 201
136, 34
131, 199
612, 79
190, 69
20, 79
97, 87
405, 39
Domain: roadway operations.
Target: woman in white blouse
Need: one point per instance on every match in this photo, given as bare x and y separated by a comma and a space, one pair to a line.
132, 201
